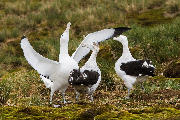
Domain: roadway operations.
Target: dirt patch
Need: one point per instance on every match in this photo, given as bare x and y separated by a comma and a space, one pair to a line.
158, 95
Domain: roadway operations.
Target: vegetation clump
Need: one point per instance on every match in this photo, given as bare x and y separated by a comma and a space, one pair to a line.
152, 17
173, 69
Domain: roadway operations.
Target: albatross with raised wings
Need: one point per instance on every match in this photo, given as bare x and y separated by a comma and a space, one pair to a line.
55, 74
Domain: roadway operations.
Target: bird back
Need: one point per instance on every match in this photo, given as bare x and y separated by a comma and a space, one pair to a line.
83, 78
138, 68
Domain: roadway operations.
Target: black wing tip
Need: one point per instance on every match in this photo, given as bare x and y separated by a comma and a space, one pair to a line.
23, 37
120, 30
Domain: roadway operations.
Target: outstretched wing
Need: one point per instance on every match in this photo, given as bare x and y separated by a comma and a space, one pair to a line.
98, 36
43, 65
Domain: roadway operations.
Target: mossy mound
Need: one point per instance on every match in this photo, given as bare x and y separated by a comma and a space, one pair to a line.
173, 69
88, 112
150, 17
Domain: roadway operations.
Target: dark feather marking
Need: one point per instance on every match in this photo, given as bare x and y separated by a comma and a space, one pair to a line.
23, 37
46, 76
135, 68
120, 30
76, 77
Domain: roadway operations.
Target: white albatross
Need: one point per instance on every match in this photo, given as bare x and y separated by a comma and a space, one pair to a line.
87, 79
129, 69
55, 74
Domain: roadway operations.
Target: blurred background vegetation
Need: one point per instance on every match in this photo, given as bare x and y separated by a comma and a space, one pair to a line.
155, 35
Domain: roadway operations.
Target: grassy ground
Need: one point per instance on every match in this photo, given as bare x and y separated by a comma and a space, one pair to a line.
23, 92
155, 35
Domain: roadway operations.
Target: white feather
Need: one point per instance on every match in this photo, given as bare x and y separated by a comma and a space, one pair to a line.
145, 64
57, 72
98, 36
38, 62
46, 81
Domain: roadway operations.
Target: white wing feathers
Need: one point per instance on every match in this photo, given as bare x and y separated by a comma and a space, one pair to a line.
98, 36
43, 65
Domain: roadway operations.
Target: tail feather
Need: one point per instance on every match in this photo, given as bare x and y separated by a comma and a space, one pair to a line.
46, 81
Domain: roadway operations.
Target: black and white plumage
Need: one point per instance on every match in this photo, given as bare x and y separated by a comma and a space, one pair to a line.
48, 83
90, 42
55, 74
129, 69
87, 79
138, 68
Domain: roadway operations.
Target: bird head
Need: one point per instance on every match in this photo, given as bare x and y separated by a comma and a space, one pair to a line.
65, 35
122, 39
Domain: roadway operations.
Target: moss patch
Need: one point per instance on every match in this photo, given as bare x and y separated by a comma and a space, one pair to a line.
75, 111
150, 17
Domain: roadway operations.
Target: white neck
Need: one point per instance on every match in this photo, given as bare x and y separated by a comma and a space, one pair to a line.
126, 56
92, 59
63, 47
126, 51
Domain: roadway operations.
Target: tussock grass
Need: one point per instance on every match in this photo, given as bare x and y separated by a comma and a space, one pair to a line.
3, 35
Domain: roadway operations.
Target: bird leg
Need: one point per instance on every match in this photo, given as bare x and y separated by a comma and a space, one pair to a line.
142, 86
90, 95
127, 97
77, 96
91, 98
63, 95
51, 95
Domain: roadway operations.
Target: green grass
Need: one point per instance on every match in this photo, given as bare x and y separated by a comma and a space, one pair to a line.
155, 35
43, 22
24, 87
